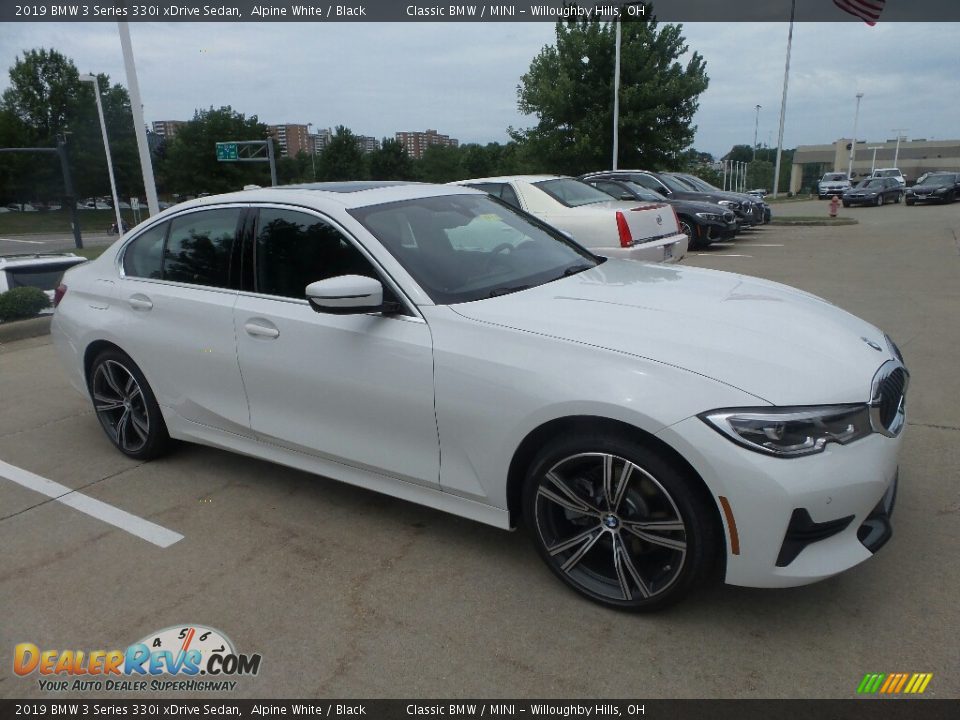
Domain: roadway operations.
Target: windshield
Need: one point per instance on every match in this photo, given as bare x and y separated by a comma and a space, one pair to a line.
834, 177
887, 173
643, 193
699, 184
674, 184
572, 193
874, 183
944, 179
461, 248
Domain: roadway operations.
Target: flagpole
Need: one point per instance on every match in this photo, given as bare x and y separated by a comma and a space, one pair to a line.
783, 102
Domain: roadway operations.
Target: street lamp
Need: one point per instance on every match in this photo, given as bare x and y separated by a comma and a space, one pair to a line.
873, 163
616, 85
896, 153
756, 127
313, 152
853, 143
106, 148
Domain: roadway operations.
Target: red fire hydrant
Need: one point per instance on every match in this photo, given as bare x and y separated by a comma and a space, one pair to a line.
834, 206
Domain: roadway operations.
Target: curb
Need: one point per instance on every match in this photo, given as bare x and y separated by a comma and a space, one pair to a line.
23, 329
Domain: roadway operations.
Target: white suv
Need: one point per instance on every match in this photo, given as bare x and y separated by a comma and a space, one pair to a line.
40, 271
890, 173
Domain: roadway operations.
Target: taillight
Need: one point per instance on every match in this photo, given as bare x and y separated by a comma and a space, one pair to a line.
626, 239
59, 293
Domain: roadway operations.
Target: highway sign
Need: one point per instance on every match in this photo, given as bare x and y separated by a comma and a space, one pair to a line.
226, 151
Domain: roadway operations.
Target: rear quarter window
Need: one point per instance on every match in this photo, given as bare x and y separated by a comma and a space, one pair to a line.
143, 257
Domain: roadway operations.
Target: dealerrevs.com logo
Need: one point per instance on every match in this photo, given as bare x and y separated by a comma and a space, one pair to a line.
183, 657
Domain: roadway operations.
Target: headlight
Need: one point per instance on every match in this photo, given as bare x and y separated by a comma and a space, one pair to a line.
730, 204
709, 216
940, 191
791, 431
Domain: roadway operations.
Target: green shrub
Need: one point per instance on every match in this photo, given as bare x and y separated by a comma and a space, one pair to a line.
22, 302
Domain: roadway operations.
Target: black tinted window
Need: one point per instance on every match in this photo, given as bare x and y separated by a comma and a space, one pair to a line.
509, 196
199, 247
144, 256
295, 249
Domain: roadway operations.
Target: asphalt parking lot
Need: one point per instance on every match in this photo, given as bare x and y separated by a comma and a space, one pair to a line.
346, 593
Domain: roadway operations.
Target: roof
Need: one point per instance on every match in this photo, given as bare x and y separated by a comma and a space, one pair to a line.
508, 178
351, 194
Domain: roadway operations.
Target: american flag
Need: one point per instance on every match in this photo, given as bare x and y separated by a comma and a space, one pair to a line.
867, 10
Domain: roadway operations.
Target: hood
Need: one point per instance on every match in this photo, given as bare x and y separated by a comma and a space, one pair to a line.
695, 206
780, 344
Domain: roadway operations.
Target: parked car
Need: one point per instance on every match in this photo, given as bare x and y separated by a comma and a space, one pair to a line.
935, 187
21, 207
612, 228
39, 271
833, 183
702, 223
890, 173
653, 426
746, 210
760, 208
873, 191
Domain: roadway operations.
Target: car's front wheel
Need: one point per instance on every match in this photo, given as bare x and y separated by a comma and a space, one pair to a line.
126, 407
619, 523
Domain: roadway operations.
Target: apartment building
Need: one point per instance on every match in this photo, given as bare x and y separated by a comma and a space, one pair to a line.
416, 142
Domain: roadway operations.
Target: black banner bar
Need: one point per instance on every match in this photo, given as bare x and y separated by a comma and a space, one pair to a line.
413, 11
873, 708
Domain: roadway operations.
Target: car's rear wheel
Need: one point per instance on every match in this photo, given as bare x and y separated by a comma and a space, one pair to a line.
126, 407
687, 229
619, 523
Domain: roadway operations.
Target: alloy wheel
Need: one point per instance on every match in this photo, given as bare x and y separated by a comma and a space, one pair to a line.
610, 528
120, 406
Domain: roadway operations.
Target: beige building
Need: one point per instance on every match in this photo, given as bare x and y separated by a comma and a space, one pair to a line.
914, 158
416, 142
167, 128
291, 138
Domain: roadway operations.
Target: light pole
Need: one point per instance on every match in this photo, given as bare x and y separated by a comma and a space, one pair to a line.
873, 163
853, 143
896, 153
756, 127
616, 85
313, 152
106, 148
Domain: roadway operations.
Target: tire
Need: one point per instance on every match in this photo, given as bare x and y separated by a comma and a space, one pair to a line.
603, 543
687, 229
910, 202
898, 198
126, 407
846, 204
879, 201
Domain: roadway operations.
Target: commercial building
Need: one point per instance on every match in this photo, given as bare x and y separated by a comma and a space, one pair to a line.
416, 142
913, 157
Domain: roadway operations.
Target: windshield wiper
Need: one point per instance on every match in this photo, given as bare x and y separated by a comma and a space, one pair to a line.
507, 290
574, 269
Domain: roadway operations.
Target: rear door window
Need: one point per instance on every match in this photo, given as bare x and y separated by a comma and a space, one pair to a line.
199, 247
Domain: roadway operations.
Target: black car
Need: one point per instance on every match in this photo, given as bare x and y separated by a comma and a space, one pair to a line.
942, 187
745, 210
762, 211
703, 223
873, 191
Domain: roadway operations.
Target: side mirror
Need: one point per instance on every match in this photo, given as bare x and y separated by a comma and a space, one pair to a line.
627, 196
346, 295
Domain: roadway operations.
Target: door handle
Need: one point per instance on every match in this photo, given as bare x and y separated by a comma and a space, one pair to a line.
140, 302
261, 329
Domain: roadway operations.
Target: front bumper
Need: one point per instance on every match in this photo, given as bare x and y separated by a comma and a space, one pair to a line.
839, 490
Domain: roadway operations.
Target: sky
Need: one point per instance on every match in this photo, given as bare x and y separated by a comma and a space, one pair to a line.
461, 78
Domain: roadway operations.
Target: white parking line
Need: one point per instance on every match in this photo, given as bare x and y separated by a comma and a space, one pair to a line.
151, 532
29, 242
721, 255
766, 245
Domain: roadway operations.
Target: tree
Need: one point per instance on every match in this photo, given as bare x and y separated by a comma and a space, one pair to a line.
391, 162
440, 164
569, 87
740, 153
46, 99
342, 159
190, 165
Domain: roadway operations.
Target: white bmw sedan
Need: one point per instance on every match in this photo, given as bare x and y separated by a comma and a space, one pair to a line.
652, 426
629, 230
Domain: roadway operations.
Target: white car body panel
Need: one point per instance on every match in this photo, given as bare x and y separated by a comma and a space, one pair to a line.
432, 407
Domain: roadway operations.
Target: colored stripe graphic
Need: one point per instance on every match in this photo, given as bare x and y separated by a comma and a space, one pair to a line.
894, 683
